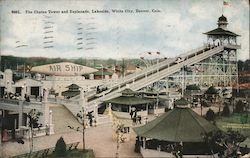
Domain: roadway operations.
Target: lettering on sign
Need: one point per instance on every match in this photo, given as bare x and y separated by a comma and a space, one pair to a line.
69, 68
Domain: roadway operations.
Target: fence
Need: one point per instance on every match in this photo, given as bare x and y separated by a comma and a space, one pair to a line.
47, 151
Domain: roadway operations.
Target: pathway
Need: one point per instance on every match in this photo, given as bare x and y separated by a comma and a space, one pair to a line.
97, 138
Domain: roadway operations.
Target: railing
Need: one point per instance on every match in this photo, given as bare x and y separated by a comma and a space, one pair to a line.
36, 104
42, 131
16, 105
19, 133
233, 46
10, 101
24, 132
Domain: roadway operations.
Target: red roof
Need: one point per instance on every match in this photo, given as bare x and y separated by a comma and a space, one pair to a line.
244, 86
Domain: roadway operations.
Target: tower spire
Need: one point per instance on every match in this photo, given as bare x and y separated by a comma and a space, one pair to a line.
222, 22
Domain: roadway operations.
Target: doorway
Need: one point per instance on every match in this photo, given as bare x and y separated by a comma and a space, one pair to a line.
34, 91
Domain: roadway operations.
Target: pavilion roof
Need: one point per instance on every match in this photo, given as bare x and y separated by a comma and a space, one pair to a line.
153, 93
181, 101
220, 31
211, 90
70, 93
128, 91
129, 100
179, 124
73, 86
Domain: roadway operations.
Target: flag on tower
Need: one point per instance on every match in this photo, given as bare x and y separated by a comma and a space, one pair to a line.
225, 3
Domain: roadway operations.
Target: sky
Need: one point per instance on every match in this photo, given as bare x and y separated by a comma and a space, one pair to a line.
177, 27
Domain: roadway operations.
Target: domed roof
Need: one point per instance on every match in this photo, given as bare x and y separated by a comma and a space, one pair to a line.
222, 18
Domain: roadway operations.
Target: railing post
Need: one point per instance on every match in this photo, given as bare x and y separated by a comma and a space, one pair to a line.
96, 111
45, 109
51, 125
46, 93
20, 108
20, 113
144, 143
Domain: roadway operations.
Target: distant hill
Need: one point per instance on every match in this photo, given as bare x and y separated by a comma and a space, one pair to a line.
13, 62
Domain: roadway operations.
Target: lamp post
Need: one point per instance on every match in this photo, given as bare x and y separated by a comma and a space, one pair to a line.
32, 114
8, 82
142, 59
82, 117
1, 130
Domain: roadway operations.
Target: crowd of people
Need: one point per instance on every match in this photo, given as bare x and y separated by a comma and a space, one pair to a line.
10, 95
16, 96
100, 89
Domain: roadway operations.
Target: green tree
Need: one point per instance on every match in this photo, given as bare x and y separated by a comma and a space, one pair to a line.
123, 67
60, 149
225, 143
210, 115
240, 65
247, 65
226, 111
239, 108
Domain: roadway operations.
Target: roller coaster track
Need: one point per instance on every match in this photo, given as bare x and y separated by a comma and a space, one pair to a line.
154, 73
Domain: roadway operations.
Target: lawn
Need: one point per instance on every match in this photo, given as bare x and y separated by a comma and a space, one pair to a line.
235, 122
76, 154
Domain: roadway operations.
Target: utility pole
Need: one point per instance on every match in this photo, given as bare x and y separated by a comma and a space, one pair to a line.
183, 80
82, 117
1, 129
83, 130
102, 73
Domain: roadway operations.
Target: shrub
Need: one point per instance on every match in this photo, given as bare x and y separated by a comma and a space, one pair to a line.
239, 108
210, 115
226, 111
60, 149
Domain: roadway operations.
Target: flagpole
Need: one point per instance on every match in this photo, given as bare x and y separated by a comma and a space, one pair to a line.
222, 8
24, 71
224, 4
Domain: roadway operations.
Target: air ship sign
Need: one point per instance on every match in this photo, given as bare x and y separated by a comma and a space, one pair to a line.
63, 69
